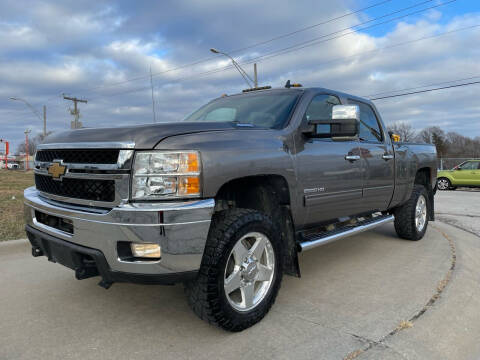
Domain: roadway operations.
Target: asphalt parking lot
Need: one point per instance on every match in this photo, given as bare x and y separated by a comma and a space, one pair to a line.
372, 296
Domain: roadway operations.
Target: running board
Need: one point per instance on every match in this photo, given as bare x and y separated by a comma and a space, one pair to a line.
315, 240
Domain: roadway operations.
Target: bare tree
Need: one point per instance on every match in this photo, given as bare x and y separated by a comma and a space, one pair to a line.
32, 144
436, 136
404, 129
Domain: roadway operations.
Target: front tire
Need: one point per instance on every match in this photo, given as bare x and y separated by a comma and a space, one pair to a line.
241, 270
411, 219
444, 184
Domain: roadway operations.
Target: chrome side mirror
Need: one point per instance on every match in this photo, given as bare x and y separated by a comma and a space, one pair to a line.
343, 124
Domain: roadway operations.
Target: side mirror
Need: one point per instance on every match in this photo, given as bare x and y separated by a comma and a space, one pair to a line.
344, 123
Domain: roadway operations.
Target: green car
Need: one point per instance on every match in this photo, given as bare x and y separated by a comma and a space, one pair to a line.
465, 174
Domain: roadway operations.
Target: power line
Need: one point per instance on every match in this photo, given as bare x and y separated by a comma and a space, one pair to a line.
323, 36
309, 27
244, 48
428, 90
334, 60
419, 87
318, 40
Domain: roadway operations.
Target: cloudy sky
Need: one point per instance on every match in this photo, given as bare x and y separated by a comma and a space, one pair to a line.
102, 51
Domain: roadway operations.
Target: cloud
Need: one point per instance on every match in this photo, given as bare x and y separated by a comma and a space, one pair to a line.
93, 50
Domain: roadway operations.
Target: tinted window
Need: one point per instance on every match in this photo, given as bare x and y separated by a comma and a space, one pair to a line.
320, 108
369, 127
265, 110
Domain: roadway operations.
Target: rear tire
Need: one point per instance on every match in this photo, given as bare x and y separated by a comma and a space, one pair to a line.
241, 270
411, 219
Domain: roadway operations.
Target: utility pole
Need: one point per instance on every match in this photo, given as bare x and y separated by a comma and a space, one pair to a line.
75, 112
255, 76
44, 121
153, 99
26, 147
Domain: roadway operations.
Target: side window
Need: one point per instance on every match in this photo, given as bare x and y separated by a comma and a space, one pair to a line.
369, 127
469, 165
321, 108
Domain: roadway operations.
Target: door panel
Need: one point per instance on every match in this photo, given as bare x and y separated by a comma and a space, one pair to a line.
331, 186
377, 160
378, 176
465, 174
476, 175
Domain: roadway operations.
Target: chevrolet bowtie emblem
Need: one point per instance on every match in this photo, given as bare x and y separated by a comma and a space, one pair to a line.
57, 170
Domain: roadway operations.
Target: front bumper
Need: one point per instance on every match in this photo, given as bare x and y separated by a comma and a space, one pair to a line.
180, 228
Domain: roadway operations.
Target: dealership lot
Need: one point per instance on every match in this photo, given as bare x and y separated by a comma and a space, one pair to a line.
352, 294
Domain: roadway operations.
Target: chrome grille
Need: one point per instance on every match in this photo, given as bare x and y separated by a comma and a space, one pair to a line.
88, 189
97, 174
103, 156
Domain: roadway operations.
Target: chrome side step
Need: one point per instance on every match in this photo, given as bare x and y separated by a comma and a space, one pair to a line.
325, 238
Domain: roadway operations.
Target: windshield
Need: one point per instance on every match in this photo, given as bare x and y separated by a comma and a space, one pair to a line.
263, 110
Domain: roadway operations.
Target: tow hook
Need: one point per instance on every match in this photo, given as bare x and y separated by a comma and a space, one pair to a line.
36, 251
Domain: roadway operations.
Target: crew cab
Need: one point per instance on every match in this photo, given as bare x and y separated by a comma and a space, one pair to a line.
226, 199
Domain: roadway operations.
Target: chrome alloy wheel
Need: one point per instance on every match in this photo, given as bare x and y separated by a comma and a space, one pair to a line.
442, 184
249, 271
421, 213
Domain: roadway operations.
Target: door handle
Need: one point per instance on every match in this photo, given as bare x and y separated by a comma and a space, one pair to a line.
387, 156
352, 157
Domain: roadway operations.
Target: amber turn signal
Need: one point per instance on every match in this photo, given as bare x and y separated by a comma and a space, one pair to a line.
189, 185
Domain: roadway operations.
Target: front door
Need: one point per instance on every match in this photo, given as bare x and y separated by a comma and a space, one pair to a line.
377, 160
330, 183
467, 173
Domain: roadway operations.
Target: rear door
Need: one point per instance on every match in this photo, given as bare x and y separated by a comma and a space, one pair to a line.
377, 160
330, 184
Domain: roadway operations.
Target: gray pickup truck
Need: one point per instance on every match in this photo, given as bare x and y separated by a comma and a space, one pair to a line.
226, 199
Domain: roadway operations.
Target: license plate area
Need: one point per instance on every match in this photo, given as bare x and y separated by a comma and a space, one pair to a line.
55, 222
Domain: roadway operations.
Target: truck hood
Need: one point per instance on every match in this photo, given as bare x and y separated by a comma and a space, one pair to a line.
143, 136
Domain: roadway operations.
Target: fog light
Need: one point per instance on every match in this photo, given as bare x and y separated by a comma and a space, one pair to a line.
151, 251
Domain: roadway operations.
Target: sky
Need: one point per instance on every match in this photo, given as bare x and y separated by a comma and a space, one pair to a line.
102, 51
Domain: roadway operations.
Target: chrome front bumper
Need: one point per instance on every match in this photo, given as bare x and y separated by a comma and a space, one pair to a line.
180, 228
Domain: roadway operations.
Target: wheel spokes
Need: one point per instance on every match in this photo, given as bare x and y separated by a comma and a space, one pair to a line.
258, 247
233, 282
240, 252
264, 273
249, 271
248, 294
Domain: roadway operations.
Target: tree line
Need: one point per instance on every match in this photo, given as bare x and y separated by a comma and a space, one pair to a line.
448, 144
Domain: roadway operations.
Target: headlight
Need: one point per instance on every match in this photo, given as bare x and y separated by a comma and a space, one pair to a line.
163, 174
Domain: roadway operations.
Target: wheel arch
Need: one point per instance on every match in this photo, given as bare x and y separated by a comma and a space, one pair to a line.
423, 177
269, 194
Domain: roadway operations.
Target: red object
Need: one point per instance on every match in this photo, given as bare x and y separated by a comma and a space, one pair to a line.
6, 153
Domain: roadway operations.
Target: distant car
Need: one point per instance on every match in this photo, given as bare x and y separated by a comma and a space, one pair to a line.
12, 166
466, 174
